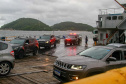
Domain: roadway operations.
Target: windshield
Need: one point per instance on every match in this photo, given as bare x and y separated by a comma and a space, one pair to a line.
17, 41
96, 53
71, 36
44, 37
112, 46
57, 36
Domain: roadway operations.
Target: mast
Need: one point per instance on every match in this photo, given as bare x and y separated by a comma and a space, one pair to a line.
120, 5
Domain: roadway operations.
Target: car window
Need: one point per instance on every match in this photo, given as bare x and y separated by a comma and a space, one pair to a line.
27, 41
44, 37
125, 55
117, 55
17, 41
31, 41
3, 46
96, 53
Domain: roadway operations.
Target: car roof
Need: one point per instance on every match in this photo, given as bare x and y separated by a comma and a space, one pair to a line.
5, 42
116, 45
109, 47
25, 38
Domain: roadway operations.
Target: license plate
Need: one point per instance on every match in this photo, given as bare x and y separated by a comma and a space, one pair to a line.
57, 72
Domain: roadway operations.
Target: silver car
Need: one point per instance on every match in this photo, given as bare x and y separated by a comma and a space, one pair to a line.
7, 59
118, 45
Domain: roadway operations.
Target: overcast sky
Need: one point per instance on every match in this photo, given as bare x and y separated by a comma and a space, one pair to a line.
54, 11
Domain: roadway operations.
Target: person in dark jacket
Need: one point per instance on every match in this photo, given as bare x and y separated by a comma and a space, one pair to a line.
86, 41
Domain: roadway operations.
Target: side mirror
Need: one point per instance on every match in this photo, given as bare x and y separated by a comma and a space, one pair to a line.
111, 59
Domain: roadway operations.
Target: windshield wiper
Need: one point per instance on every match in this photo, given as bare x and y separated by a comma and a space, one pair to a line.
86, 56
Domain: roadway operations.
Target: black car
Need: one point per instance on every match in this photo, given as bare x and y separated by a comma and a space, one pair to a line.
23, 46
47, 41
72, 39
57, 39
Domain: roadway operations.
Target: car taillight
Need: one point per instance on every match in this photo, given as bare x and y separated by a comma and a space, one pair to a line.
37, 44
22, 47
68, 39
50, 40
12, 53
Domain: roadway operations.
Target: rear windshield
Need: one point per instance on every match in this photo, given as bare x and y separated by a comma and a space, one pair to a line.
71, 36
3, 46
17, 41
96, 53
44, 37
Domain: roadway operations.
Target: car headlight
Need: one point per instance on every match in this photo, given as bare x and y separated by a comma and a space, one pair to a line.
77, 67
16, 48
47, 42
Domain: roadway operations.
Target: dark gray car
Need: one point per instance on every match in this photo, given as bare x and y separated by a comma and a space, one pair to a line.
6, 58
89, 62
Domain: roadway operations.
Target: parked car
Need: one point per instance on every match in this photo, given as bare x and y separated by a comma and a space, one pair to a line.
72, 38
47, 41
23, 46
89, 62
80, 37
57, 39
7, 59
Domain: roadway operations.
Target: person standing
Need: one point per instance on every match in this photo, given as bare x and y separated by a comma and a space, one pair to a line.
86, 41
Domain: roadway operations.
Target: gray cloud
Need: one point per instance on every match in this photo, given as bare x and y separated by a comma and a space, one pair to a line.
54, 11
2, 18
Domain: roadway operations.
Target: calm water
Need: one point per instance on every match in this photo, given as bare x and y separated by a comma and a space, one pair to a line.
39, 33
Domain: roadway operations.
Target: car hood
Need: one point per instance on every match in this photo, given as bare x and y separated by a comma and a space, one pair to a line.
79, 60
43, 40
71, 38
15, 45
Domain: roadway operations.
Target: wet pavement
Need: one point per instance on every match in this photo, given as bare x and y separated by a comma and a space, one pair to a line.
32, 70
62, 50
38, 69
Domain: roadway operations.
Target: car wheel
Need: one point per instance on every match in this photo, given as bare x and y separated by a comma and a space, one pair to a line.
49, 46
35, 51
55, 44
21, 54
5, 68
65, 44
70, 43
39, 47
59, 41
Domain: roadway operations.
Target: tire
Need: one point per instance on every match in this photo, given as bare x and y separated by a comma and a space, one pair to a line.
55, 44
65, 44
39, 47
49, 46
21, 54
5, 68
35, 51
78, 42
70, 43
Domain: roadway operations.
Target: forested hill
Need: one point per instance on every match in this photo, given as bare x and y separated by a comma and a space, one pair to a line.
72, 26
27, 24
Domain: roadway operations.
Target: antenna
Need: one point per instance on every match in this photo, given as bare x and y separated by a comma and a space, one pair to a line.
121, 5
